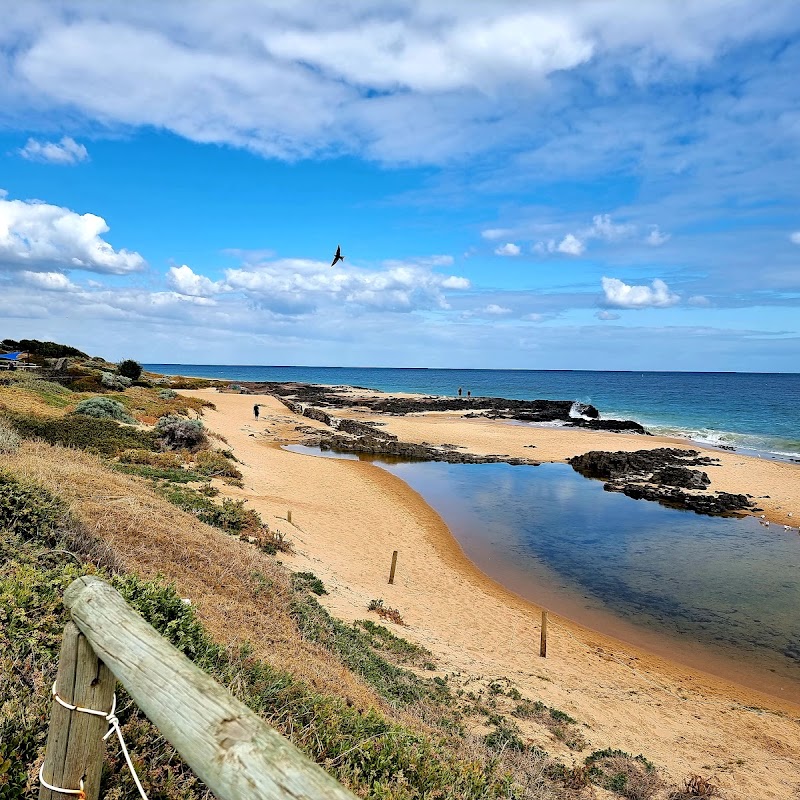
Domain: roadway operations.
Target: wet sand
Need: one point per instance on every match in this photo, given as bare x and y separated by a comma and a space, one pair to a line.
348, 517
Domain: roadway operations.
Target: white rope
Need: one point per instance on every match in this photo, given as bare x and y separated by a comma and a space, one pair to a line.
113, 722
59, 789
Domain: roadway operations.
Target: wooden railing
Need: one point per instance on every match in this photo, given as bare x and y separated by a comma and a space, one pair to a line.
236, 754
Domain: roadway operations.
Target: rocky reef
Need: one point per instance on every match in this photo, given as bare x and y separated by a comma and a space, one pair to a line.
662, 475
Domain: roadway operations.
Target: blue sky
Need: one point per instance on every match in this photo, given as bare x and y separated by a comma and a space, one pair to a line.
597, 184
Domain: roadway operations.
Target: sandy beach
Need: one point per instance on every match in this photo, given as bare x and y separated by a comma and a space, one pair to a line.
348, 517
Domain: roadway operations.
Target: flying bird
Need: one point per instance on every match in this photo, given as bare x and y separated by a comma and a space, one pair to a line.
338, 256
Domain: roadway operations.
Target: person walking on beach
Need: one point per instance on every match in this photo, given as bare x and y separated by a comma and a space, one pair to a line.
255, 411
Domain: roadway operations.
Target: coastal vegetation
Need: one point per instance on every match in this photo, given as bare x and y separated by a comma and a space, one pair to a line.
134, 493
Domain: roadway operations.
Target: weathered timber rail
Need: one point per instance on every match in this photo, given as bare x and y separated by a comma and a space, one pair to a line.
236, 753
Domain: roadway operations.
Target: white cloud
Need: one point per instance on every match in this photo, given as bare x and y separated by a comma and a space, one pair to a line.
67, 151
604, 228
493, 234
508, 249
294, 286
795, 237
496, 310
607, 315
622, 295
459, 69
185, 281
699, 300
656, 237
43, 238
571, 245
455, 282
52, 281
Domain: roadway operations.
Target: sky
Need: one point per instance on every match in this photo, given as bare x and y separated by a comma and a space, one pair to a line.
570, 184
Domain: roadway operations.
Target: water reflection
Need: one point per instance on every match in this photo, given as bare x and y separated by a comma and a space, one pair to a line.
729, 584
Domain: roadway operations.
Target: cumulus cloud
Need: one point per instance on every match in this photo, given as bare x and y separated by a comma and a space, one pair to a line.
42, 238
51, 281
187, 282
569, 245
67, 151
656, 237
497, 310
699, 300
607, 315
508, 249
362, 71
295, 286
622, 295
795, 237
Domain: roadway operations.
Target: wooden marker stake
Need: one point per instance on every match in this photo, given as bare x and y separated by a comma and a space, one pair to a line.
394, 564
543, 645
289, 516
75, 745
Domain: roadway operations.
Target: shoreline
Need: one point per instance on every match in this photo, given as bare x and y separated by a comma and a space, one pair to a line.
348, 516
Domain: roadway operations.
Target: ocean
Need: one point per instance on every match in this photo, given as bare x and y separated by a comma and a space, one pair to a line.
757, 413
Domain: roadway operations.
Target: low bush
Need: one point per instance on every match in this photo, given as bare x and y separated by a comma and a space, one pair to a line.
214, 464
696, 787
104, 436
28, 510
384, 612
87, 383
170, 474
9, 439
104, 408
129, 369
117, 383
633, 777
167, 394
176, 433
310, 582
230, 515
168, 460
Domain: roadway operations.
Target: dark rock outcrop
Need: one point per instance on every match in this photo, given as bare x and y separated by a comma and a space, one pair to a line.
662, 475
410, 451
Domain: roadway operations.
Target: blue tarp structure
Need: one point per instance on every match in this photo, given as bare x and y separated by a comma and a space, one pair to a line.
11, 356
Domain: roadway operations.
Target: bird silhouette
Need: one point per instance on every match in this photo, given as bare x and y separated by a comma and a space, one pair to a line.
338, 256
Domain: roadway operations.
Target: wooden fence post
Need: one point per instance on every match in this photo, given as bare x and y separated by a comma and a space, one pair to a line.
394, 564
75, 743
543, 643
289, 516
236, 754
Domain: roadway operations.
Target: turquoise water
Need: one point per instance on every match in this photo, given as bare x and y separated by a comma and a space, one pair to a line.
727, 589
757, 413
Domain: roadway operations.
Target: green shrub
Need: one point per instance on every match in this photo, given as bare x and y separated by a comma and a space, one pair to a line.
104, 408
28, 510
167, 394
177, 433
310, 582
163, 460
129, 369
117, 383
104, 436
214, 464
9, 439
230, 515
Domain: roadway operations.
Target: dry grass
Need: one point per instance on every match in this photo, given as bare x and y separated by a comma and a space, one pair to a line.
146, 405
19, 400
239, 592
696, 787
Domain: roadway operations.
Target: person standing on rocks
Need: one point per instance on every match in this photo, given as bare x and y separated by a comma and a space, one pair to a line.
459, 391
